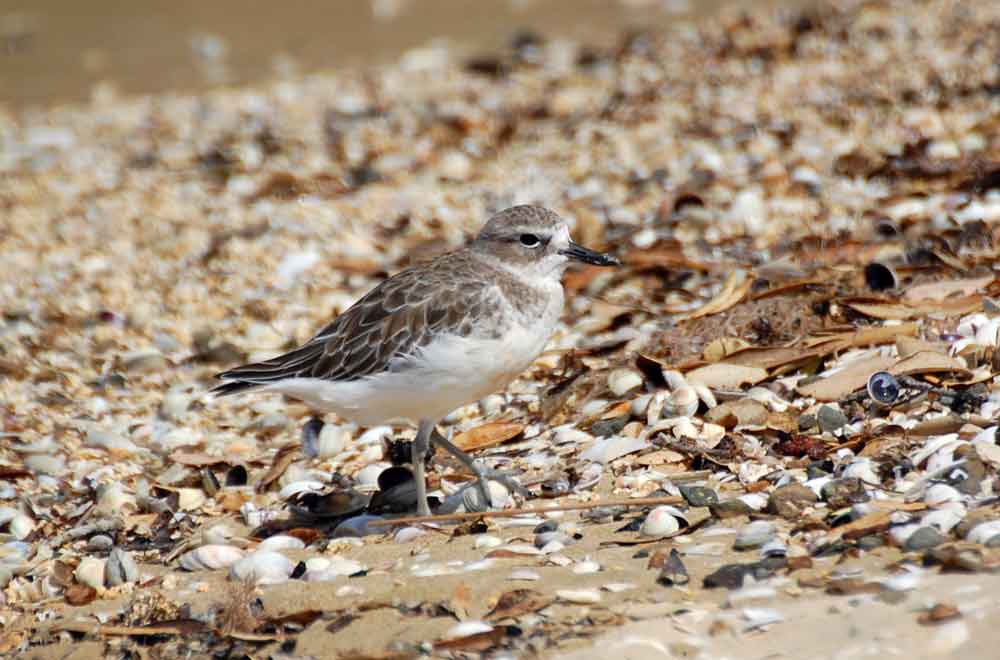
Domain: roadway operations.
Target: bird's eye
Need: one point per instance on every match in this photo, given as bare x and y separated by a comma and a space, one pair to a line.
530, 240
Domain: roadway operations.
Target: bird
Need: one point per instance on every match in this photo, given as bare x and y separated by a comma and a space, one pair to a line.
436, 336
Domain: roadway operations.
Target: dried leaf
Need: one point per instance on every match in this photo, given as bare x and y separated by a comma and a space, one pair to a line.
883, 310
80, 594
488, 435
947, 289
285, 456
512, 604
723, 347
724, 375
734, 290
849, 379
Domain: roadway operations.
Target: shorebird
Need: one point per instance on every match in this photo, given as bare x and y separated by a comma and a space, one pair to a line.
436, 336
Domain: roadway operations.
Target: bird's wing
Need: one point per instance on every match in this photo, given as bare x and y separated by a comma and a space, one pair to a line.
391, 321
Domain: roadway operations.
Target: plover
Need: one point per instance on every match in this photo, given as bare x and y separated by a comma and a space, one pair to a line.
435, 336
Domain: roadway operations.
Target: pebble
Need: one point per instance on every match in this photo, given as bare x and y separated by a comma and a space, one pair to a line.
841, 493
830, 419
924, 538
120, 568
791, 500
99, 543
579, 596
698, 495
280, 542
754, 535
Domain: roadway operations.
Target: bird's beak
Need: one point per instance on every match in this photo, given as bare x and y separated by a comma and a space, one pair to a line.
588, 256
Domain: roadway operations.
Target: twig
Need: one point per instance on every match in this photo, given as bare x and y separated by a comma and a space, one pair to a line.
511, 513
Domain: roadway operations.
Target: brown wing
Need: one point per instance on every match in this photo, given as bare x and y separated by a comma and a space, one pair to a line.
391, 321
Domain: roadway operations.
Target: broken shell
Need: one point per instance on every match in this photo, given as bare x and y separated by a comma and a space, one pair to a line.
579, 596
880, 277
332, 568
586, 567
211, 557
90, 572
333, 439
754, 535
940, 494
621, 381
467, 628
986, 533
263, 568
682, 402
486, 541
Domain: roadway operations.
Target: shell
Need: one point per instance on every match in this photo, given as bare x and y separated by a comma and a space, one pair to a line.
579, 596
621, 381
280, 542
939, 494
682, 402
263, 568
472, 499
90, 572
984, 532
466, 628
661, 521
120, 568
333, 439
331, 568
211, 557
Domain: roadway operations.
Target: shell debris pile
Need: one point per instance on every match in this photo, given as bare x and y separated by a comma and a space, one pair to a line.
800, 356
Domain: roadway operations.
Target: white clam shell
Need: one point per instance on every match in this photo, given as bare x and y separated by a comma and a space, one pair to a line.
20, 526
280, 542
211, 557
300, 487
332, 568
263, 568
368, 475
984, 531
586, 567
408, 534
472, 498
942, 493
943, 520
333, 439
487, 541
661, 521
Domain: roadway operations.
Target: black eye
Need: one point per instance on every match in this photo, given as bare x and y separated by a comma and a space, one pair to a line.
530, 240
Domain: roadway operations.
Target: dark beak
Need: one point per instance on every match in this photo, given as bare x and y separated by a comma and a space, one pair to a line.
589, 256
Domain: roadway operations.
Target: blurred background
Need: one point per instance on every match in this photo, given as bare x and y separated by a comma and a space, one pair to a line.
59, 50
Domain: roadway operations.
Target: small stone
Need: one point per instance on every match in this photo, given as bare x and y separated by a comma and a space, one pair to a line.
673, 573
99, 543
842, 493
144, 362
924, 538
699, 495
120, 568
807, 421
830, 419
791, 500
754, 535
870, 542
730, 509
605, 427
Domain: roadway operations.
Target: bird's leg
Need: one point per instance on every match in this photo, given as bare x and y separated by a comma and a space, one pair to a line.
421, 444
481, 474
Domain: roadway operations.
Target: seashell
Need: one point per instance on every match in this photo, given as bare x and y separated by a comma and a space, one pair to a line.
685, 428
774, 548
900, 534
90, 571
711, 435
661, 521
756, 501
299, 487
43, 464
938, 494
861, 468
210, 557
883, 387
639, 405
280, 542
985, 533
552, 547
20, 526
525, 574
579, 596
487, 541
332, 568
263, 568
618, 587
120, 568
605, 450
571, 435
112, 499
621, 381
467, 628
99, 543
472, 498
333, 439
674, 379
682, 402
943, 520
221, 534
754, 535
190, 499
586, 567
408, 534
589, 477
705, 395
758, 617
367, 477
